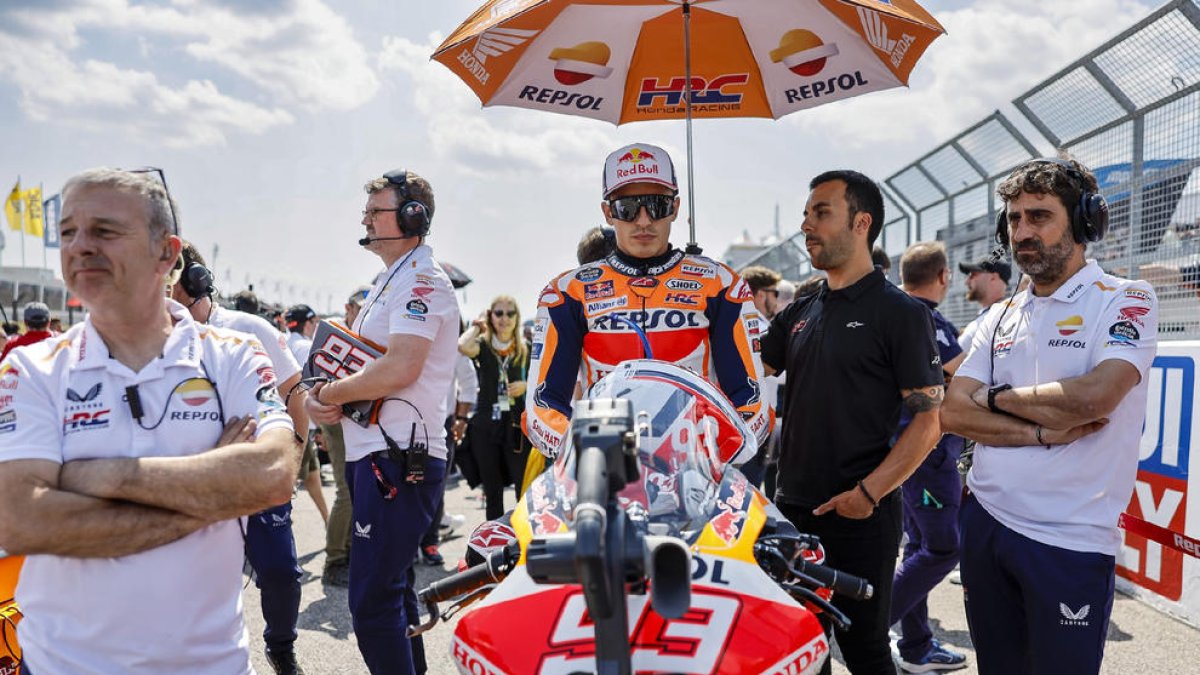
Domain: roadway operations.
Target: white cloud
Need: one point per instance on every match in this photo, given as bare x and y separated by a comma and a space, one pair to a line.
293, 53
992, 51
503, 140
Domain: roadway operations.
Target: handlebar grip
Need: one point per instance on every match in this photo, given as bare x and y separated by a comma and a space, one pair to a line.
841, 582
460, 583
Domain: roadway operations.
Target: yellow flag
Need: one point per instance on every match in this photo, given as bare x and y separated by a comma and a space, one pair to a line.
34, 222
12, 208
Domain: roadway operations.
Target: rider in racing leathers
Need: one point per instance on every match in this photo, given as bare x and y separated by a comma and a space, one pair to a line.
693, 311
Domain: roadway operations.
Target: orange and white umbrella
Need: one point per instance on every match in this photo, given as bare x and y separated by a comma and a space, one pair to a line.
633, 60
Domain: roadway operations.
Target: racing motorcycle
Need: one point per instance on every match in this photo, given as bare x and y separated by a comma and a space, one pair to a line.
643, 550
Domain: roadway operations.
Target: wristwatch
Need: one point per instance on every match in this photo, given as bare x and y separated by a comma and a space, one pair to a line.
992, 397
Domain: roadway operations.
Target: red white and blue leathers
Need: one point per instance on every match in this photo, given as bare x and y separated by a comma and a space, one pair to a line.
695, 312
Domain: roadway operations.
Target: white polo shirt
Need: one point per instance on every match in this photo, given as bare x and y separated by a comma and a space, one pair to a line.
413, 297
1066, 495
173, 609
299, 346
272, 340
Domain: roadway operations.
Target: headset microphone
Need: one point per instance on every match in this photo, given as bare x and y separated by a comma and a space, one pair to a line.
366, 241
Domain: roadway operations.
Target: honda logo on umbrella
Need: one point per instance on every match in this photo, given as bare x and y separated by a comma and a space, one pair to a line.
494, 42
876, 31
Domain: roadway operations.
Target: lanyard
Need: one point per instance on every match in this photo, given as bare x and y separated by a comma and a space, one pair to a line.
362, 316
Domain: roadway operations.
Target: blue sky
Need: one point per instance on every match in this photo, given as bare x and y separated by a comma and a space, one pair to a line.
269, 115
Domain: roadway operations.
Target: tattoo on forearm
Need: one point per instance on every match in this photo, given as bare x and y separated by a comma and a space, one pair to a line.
924, 400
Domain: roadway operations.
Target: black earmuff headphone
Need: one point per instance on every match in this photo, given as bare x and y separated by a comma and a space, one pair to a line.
1089, 216
413, 216
196, 280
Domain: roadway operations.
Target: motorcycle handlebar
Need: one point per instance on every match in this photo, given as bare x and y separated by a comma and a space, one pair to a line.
841, 582
494, 569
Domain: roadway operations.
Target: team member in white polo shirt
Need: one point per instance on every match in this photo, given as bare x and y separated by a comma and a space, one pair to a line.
395, 468
126, 456
1054, 391
270, 545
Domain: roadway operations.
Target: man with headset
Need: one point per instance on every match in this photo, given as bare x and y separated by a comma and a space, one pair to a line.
396, 462
1054, 393
688, 309
111, 446
270, 544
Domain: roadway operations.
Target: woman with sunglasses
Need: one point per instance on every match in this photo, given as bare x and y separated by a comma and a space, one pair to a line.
501, 359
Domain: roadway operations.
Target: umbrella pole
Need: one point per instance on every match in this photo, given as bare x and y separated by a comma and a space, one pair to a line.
692, 248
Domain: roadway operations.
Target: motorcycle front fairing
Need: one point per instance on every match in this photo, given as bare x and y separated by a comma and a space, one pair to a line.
740, 620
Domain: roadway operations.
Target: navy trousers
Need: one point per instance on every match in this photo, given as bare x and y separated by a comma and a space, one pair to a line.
384, 540
931, 496
1032, 608
271, 550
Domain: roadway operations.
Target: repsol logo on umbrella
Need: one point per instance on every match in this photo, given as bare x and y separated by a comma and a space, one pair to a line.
648, 320
566, 99
805, 54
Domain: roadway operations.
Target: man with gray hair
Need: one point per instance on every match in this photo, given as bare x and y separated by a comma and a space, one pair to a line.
111, 442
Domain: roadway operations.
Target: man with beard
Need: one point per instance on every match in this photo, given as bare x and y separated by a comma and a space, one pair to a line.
987, 280
856, 353
1054, 393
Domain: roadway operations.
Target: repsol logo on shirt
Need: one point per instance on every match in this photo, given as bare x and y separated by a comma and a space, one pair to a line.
190, 415
649, 320
1077, 344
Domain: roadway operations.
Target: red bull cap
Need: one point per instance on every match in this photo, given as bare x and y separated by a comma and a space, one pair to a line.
638, 163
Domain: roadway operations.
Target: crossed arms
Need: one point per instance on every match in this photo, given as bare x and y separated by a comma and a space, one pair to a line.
107, 508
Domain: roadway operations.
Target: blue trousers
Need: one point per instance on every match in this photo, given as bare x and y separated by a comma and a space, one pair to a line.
384, 540
931, 496
271, 550
1032, 608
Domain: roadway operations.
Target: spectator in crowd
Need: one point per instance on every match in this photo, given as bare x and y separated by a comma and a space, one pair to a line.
856, 353
396, 466
246, 302
776, 383
301, 322
134, 556
595, 244
501, 359
881, 259
37, 328
764, 287
931, 496
464, 389
337, 530
987, 282
270, 544
1054, 393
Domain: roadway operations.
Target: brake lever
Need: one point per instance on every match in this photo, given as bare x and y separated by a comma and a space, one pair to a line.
466, 600
835, 615
434, 616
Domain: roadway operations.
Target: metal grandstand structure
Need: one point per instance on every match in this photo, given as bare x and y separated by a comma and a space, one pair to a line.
1130, 110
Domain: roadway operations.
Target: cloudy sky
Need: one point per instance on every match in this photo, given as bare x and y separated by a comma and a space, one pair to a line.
269, 115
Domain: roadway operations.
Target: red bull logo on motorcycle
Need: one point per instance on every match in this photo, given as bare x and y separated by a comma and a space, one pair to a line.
727, 525
720, 93
545, 523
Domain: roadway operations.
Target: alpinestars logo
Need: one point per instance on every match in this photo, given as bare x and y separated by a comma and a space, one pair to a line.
876, 31
1073, 618
363, 531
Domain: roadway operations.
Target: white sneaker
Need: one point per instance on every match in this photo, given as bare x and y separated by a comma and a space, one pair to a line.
452, 521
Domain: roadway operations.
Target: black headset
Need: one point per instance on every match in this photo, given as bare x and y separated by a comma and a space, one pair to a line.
413, 216
1089, 217
196, 281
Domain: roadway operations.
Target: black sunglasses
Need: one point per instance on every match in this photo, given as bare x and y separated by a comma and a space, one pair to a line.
500, 313
162, 178
627, 208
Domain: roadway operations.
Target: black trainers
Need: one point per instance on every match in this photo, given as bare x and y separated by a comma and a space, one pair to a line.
336, 575
284, 662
